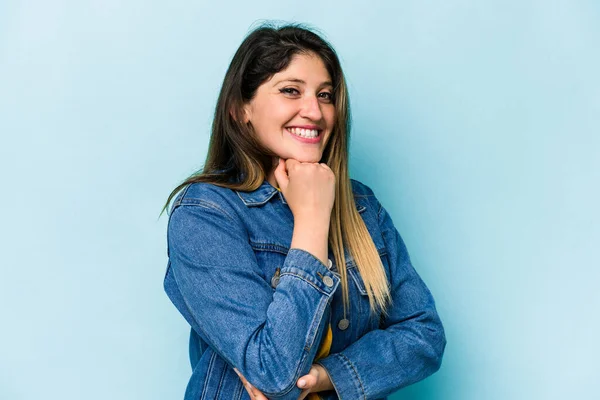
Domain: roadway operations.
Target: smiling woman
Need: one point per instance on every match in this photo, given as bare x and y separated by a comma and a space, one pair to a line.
292, 113
292, 275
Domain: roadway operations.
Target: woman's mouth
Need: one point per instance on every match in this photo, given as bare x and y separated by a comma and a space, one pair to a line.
306, 135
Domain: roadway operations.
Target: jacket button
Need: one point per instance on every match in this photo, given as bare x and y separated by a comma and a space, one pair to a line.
343, 324
274, 282
275, 278
328, 281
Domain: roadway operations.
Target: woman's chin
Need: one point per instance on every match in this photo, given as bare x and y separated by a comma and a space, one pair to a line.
305, 158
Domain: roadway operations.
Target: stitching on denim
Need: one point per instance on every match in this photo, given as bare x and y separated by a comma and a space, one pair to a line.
239, 390
347, 360
220, 385
256, 203
208, 205
350, 263
209, 342
296, 375
241, 198
263, 246
208, 372
178, 199
356, 279
379, 212
320, 313
305, 280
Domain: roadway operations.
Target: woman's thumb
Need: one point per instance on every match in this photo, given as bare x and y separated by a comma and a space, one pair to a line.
281, 174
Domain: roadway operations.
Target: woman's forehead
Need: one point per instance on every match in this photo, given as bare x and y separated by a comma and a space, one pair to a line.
303, 69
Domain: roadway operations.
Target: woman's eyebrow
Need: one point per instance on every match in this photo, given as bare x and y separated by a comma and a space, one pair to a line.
295, 80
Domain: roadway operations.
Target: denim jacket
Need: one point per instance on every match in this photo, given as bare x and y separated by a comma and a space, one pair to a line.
224, 249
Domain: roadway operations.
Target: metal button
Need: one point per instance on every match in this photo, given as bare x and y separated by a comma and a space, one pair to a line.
274, 281
328, 281
275, 278
343, 324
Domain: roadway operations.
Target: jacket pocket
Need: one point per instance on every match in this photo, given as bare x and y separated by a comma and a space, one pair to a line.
366, 320
357, 278
270, 258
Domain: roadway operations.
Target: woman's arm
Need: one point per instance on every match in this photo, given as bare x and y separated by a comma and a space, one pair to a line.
270, 337
410, 343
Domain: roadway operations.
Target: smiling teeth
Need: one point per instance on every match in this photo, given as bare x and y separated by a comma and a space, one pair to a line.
307, 133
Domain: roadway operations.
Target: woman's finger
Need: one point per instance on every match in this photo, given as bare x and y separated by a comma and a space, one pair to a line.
309, 380
246, 384
254, 393
281, 175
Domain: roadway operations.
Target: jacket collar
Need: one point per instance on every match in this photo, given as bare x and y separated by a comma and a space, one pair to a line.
260, 196
265, 192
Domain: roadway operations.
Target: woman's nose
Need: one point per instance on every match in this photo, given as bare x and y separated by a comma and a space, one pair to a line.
311, 108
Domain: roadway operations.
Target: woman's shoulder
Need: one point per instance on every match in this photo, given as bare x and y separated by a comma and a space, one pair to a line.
364, 195
360, 188
203, 193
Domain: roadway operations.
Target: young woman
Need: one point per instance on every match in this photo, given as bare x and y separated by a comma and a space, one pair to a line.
293, 277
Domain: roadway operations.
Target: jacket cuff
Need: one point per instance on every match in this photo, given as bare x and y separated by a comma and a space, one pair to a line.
301, 264
343, 375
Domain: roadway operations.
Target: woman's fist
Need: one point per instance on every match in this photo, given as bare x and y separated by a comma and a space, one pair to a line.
308, 188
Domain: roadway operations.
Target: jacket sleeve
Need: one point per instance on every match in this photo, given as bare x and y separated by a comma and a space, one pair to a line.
270, 336
410, 342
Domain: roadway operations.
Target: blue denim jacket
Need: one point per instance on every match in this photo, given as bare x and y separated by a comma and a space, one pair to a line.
224, 247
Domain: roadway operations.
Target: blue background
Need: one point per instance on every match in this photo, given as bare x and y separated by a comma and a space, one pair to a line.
475, 123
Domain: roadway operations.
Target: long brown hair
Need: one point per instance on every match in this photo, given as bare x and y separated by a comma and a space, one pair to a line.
236, 160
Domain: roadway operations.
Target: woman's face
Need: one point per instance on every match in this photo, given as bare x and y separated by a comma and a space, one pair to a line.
293, 113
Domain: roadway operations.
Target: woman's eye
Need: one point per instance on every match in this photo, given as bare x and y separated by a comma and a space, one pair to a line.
328, 96
289, 91
292, 91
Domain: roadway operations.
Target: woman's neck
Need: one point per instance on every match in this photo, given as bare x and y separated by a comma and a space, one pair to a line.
271, 179
271, 176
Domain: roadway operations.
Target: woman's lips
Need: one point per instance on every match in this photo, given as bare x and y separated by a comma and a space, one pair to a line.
306, 139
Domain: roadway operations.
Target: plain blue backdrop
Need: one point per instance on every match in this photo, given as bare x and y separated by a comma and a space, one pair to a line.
475, 122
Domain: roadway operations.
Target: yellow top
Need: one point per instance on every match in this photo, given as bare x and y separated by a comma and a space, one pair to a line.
321, 353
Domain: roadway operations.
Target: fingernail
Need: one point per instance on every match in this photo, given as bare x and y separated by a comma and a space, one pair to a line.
302, 383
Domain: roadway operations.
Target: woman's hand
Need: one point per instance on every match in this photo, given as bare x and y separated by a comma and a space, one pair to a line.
308, 188
317, 380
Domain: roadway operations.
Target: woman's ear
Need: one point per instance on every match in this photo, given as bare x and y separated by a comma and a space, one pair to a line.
245, 114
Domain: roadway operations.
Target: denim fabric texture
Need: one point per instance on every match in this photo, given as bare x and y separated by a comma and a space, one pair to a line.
257, 305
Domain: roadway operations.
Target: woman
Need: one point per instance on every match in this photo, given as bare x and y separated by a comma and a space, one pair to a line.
292, 275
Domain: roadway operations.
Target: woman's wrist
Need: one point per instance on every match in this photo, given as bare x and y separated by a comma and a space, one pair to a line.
311, 237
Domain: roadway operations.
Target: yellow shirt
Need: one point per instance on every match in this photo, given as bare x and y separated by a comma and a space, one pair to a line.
321, 353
